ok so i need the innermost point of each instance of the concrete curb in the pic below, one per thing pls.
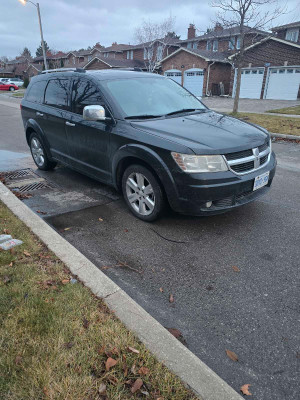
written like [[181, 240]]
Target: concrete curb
[[282, 136], [206, 384]]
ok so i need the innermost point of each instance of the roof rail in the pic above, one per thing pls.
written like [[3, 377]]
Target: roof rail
[[47, 71]]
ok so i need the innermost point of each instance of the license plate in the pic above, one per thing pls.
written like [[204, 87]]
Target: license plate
[[261, 180]]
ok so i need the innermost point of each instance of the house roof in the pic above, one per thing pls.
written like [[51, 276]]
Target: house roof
[[170, 41], [116, 48], [20, 60], [224, 33], [276, 39], [114, 63], [38, 67], [205, 54], [287, 26]]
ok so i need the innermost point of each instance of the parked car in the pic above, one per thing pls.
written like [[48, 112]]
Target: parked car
[[148, 137], [4, 79], [8, 86], [16, 81]]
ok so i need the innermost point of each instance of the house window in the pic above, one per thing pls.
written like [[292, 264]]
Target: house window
[[215, 45], [159, 53], [231, 43], [238, 42], [89, 58], [189, 45], [129, 54], [105, 55], [208, 45], [292, 35], [195, 45]]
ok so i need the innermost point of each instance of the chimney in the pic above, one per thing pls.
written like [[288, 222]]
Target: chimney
[[218, 27], [191, 31]]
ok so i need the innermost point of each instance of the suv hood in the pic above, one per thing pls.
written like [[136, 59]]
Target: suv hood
[[206, 133]]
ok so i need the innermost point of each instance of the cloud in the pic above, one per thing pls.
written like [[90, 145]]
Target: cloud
[[81, 23]]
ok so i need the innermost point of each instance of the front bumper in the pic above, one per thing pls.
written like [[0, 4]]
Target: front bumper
[[225, 190]]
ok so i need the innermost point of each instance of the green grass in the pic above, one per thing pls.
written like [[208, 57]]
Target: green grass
[[276, 124], [288, 110], [18, 94], [55, 336]]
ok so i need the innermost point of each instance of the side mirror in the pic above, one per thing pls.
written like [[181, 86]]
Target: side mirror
[[94, 113]]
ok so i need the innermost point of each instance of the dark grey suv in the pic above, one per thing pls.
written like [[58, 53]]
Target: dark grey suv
[[149, 138]]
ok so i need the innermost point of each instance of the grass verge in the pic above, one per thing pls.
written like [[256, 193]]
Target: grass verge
[[18, 94], [288, 110], [276, 124], [57, 340]]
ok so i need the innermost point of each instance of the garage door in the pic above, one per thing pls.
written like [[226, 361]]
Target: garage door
[[251, 83], [193, 81], [174, 74], [283, 83]]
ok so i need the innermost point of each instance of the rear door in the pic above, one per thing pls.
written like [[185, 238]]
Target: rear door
[[88, 140], [56, 112]]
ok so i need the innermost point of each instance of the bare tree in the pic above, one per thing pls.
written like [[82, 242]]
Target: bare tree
[[155, 38], [259, 14]]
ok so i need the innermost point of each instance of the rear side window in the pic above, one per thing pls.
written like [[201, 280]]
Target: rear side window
[[85, 93], [57, 93], [36, 92]]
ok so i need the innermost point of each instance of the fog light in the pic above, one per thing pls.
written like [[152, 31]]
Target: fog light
[[208, 204]]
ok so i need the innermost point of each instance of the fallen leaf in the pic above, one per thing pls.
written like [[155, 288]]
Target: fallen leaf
[[18, 360], [46, 392], [145, 393], [68, 345], [245, 389], [102, 389], [161, 290], [137, 385], [144, 371], [6, 231], [171, 298], [110, 362], [209, 287], [133, 350], [125, 230], [26, 253], [100, 219], [232, 355], [133, 369], [11, 264], [41, 212], [66, 229], [235, 268], [85, 323], [6, 279], [175, 332], [65, 281]]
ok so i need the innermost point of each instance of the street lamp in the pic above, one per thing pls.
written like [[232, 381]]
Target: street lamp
[[24, 2]]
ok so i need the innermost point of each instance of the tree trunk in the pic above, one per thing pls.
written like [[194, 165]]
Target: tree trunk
[[237, 89]]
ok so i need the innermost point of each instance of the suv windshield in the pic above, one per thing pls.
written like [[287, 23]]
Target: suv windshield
[[151, 97]]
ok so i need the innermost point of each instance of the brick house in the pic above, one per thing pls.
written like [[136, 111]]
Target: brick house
[[205, 65], [108, 62], [288, 32], [15, 68]]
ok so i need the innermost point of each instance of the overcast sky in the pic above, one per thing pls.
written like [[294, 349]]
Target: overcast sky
[[74, 24]]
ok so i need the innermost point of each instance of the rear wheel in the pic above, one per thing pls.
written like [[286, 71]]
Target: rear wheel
[[39, 154], [143, 193], [12, 89]]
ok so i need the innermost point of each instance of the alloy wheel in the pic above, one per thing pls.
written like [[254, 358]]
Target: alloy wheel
[[140, 193], [37, 152]]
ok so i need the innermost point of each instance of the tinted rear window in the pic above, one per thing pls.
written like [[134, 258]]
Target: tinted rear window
[[36, 92], [57, 93]]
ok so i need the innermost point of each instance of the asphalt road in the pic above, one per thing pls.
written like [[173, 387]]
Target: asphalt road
[[253, 312]]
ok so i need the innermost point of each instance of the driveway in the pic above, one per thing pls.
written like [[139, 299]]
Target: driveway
[[224, 104], [251, 309]]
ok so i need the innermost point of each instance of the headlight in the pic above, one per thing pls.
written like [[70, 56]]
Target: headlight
[[193, 164]]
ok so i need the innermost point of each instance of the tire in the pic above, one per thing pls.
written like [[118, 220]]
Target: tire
[[143, 193], [39, 154], [12, 89]]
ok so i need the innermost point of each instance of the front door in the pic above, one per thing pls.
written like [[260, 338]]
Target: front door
[[88, 140]]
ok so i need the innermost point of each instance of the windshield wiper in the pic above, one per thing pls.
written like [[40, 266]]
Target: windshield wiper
[[185, 110], [143, 116]]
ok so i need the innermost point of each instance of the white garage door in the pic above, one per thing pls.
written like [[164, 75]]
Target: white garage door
[[251, 83], [193, 81], [174, 74], [283, 83]]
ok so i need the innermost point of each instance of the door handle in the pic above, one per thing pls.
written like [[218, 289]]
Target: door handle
[[38, 114], [69, 123]]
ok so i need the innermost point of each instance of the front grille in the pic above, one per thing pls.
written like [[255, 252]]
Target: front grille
[[245, 161]]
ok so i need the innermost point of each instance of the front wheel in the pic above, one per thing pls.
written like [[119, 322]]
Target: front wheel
[[39, 154], [12, 89], [143, 193]]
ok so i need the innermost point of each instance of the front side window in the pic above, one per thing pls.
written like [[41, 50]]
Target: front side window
[[150, 96], [36, 92], [292, 35], [57, 93], [84, 93]]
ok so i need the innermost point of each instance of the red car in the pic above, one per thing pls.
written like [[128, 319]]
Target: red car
[[8, 86]]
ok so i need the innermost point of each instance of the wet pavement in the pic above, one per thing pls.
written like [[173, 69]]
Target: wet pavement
[[252, 310]]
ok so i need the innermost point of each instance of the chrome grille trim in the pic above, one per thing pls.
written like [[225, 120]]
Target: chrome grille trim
[[257, 160]]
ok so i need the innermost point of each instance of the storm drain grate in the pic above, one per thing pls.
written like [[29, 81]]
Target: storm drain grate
[[21, 173], [29, 187]]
